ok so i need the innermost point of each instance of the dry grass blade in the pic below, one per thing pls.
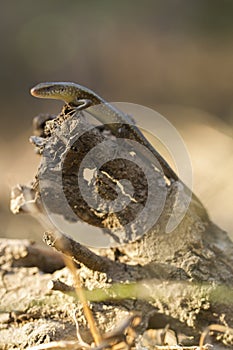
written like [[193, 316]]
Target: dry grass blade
[[123, 336], [180, 347], [216, 328], [59, 345], [87, 312]]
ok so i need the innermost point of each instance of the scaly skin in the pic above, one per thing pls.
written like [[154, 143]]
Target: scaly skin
[[81, 97]]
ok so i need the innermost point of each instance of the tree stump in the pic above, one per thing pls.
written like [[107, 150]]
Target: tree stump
[[182, 278]]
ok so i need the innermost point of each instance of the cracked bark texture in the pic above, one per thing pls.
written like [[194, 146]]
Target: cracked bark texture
[[197, 255]]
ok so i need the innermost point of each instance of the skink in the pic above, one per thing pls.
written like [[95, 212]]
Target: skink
[[81, 97]]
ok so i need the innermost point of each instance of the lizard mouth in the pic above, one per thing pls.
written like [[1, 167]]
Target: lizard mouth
[[39, 90], [33, 92]]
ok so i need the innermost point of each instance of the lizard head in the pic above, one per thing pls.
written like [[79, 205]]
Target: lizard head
[[55, 90]]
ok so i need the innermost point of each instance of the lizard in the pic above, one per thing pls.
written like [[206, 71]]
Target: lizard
[[80, 97]]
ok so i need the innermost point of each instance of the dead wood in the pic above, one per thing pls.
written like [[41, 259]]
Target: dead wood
[[187, 266]]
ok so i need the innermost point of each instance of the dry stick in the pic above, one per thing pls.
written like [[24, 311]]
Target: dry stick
[[216, 328], [60, 286], [87, 312], [78, 252]]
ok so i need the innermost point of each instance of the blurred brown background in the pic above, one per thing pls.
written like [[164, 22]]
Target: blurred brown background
[[175, 56]]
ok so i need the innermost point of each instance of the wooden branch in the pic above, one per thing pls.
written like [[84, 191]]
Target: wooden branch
[[79, 253], [196, 250]]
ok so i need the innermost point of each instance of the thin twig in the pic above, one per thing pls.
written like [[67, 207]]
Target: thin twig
[[216, 328], [59, 345], [60, 286], [78, 252]]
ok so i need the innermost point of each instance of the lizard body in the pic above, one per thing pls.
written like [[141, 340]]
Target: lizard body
[[81, 97]]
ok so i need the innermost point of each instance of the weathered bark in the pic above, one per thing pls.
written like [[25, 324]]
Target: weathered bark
[[188, 265]]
